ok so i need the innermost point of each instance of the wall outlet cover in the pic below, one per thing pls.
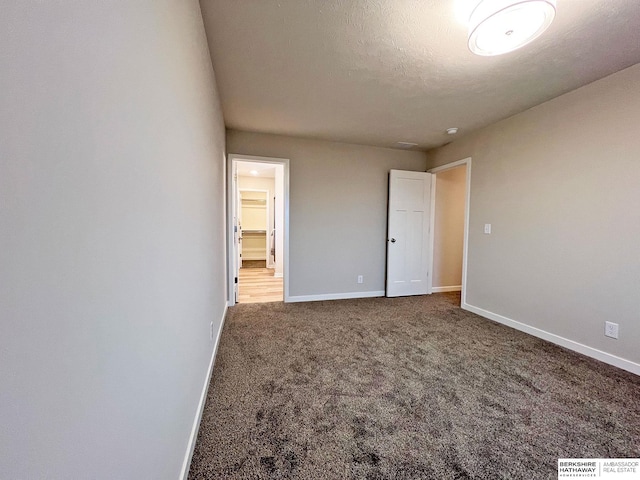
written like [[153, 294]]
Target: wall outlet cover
[[611, 329]]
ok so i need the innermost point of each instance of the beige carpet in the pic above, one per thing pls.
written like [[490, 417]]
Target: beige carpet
[[407, 388]]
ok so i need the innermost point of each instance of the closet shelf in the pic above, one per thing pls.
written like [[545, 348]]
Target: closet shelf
[[261, 232]]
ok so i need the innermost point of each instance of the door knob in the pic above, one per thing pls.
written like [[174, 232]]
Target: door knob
[[393, 240]]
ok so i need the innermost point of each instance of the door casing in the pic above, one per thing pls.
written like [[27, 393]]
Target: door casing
[[232, 205]]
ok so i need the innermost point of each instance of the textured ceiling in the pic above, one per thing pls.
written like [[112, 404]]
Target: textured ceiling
[[378, 72]]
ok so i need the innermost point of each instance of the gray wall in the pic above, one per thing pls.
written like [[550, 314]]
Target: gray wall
[[448, 233], [111, 238], [561, 185], [338, 209]]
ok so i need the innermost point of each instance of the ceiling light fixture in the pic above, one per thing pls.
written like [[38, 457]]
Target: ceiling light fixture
[[254, 172], [452, 130], [501, 26]]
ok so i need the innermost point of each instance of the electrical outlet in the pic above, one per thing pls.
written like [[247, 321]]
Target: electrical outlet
[[611, 329], [211, 331], [487, 228], [360, 279]]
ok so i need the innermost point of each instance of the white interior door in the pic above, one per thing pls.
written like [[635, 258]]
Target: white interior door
[[408, 233]]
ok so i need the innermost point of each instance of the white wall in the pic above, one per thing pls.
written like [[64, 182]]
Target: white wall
[[338, 209], [449, 227], [560, 183], [112, 236]]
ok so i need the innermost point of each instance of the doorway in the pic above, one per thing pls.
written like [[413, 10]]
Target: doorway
[[258, 206], [451, 191]]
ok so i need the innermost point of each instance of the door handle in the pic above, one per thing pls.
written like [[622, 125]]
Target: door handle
[[393, 240]]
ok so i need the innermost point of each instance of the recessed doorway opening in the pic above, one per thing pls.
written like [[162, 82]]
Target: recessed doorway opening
[[258, 229], [451, 196]]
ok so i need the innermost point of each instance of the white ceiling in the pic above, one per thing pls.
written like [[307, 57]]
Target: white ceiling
[[378, 72], [264, 170]]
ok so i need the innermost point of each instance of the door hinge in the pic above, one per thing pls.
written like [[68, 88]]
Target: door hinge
[[235, 280]]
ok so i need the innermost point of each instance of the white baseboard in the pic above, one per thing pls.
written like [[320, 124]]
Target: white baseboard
[[605, 357], [334, 296], [451, 288], [278, 275], [184, 473]]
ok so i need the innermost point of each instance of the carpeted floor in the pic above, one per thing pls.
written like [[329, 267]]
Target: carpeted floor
[[406, 388]]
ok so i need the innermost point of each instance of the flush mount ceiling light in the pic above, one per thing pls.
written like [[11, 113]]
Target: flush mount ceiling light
[[501, 26]]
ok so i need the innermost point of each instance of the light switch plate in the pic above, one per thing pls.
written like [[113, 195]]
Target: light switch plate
[[487, 228]]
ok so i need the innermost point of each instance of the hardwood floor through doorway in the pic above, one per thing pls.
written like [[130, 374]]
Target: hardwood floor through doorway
[[257, 285]]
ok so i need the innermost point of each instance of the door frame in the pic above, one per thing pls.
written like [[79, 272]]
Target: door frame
[[467, 204], [231, 206]]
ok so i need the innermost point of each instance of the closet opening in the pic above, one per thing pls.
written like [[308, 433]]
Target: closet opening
[[451, 196]]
